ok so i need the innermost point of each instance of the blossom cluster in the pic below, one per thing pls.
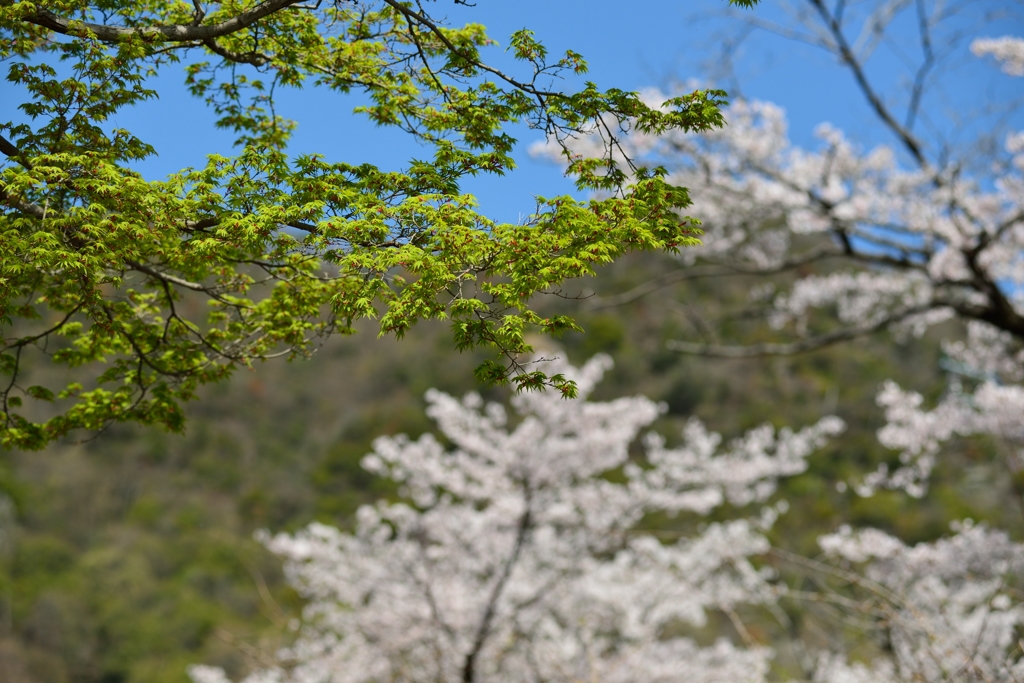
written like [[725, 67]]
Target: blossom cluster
[[950, 608], [1008, 50]]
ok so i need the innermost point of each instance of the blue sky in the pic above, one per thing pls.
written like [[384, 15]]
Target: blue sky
[[628, 45]]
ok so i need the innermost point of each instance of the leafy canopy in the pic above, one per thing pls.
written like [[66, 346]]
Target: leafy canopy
[[153, 288]]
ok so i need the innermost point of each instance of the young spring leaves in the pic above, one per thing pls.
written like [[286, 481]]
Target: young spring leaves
[[152, 288]]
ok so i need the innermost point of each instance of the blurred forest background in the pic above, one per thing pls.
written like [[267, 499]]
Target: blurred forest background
[[130, 556]]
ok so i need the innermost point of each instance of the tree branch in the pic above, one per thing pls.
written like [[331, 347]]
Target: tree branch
[[522, 531], [681, 275], [254, 58], [12, 152], [409, 13], [792, 348], [29, 208], [176, 33], [846, 53]]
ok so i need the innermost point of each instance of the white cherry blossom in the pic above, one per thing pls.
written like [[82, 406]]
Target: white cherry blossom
[[949, 609], [520, 553], [1009, 50]]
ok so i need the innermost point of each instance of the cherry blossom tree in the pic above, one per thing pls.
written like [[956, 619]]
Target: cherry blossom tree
[[520, 553], [523, 553], [899, 237], [947, 610]]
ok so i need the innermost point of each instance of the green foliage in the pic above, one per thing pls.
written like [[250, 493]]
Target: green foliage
[[286, 251]]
